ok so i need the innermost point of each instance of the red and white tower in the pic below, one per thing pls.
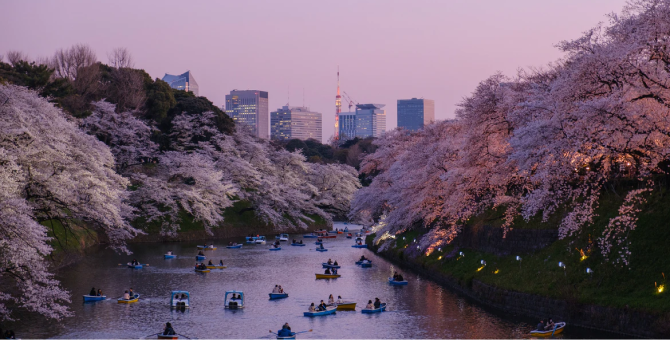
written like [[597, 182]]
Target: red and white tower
[[338, 107]]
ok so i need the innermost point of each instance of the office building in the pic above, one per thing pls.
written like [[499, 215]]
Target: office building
[[184, 82], [414, 114], [250, 107], [296, 123], [369, 120]]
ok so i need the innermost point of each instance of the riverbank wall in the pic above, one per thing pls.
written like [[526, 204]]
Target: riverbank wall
[[624, 321]]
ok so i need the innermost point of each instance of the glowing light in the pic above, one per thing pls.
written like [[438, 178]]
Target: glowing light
[[561, 264], [461, 253], [589, 271], [660, 288], [439, 249], [480, 268], [405, 246], [403, 238], [482, 262], [496, 271], [518, 258], [417, 247], [584, 257], [415, 240], [439, 258]]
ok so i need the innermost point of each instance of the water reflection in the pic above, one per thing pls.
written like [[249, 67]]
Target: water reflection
[[421, 309]]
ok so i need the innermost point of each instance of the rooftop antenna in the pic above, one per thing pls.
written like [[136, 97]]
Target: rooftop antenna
[[303, 97]]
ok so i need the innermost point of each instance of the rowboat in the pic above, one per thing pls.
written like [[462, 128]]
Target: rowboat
[[558, 328], [298, 244], [329, 310], [367, 264], [200, 257], [310, 236], [333, 232], [326, 265], [277, 296], [251, 239], [136, 266], [349, 235], [282, 237], [169, 256], [90, 298], [346, 306], [206, 247], [321, 249], [397, 283], [216, 267], [359, 246], [381, 308], [327, 276], [202, 270], [274, 249], [260, 240], [340, 232], [233, 302], [329, 236], [318, 243], [176, 300], [131, 300], [292, 336], [234, 247], [361, 262], [161, 336]]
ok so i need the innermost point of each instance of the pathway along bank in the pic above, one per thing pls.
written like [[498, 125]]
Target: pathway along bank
[[623, 321]]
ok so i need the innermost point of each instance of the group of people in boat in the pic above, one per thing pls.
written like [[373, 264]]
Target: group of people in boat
[[549, 325], [134, 263], [200, 266], [330, 262], [330, 271], [200, 253], [181, 300], [278, 290], [276, 244], [129, 294], [211, 264], [374, 305], [397, 277], [295, 242], [320, 308], [232, 243], [94, 293]]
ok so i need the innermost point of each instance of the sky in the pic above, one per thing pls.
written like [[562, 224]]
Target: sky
[[385, 49]]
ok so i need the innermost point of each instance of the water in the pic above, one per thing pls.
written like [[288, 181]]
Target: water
[[421, 309]]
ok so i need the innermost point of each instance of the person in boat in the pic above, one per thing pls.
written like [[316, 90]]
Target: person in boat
[[540, 326], [126, 296], [168, 329], [293, 241], [312, 309], [319, 240], [210, 263], [322, 306], [550, 324], [220, 262], [169, 252], [363, 258], [183, 297], [327, 271], [321, 245], [335, 263], [331, 300], [339, 299], [370, 305], [330, 262], [377, 303], [201, 253], [99, 292], [285, 331], [276, 289], [92, 292], [202, 266], [131, 293], [334, 271], [281, 290], [230, 243], [300, 242]]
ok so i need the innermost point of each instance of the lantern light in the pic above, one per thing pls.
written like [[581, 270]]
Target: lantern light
[[482, 262]]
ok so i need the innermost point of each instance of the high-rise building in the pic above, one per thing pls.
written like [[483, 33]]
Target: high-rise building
[[338, 106], [295, 122], [369, 120], [184, 82], [250, 107], [414, 114]]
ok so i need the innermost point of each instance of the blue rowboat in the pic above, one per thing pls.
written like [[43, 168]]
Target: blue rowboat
[[276, 296], [89, 298], [234, 247], [200, 257], [397, 283], [292, 336], [137, 266], [166, 256], [328, 311], [326, 265], [332, 231], [275, 249], [318, 243], [298, 244], [366, 265], [381, 308], [359, 246], [321, 250], [310, 236]]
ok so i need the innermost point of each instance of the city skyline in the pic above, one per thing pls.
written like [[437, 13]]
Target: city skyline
[[446, 48]]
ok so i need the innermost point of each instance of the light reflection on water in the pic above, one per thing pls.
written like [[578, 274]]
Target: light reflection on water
[[422, 309]]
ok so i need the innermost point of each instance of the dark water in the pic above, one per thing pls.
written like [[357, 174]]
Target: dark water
[[420, 310]]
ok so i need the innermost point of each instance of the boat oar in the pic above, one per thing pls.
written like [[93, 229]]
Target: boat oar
[[552, 333], [182, 335], [146, 336], [303, 332]]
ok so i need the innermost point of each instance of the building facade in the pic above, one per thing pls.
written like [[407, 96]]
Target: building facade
[[296, 123], [184, 82], [250, 107], [369, 120], [414, 114]]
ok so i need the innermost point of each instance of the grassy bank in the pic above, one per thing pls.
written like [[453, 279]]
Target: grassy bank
[[634, 286]]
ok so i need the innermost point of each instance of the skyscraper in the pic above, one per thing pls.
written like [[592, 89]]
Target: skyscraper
[[369, 120], [250, 107], [414, 114], [295, 122], [184, 82]]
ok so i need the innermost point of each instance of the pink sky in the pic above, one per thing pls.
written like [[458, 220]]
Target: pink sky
[[386, 50]]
